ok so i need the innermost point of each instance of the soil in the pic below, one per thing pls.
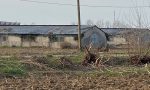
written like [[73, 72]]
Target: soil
[[54, 80], [57, 81]]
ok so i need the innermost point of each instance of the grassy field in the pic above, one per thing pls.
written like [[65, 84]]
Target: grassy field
[[40, 68]]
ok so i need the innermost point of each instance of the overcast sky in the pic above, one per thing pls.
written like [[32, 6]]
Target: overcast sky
[[42, 13]]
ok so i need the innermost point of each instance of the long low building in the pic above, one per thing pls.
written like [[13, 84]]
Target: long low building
[[128, 37], [54, 36]]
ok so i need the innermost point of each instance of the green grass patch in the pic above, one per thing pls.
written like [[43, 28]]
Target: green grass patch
[[11, 66], [54, 62], [115, 71], [77, 58]]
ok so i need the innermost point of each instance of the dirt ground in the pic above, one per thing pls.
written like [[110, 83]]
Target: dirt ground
[[58, 81], [8, 51]]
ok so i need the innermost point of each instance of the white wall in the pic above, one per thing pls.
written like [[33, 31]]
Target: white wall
[[71, 40], [14, 40], [39, 41]]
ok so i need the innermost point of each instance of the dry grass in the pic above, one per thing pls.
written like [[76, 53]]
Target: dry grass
[[60, 81], [18, 51], [45, 71]]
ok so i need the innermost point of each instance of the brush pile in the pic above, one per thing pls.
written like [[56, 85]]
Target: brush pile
[[65, 62], [36, 63], [89, 58], [138, 60]]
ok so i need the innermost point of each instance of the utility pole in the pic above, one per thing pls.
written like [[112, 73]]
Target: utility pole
[[79, 25], [114, 23]]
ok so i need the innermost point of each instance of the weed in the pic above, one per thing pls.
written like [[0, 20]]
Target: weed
[[11, 66]]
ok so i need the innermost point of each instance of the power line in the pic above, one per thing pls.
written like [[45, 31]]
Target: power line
[[92, 6], [48, 3]]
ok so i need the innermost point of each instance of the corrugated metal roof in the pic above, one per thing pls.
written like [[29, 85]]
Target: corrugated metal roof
[[117, 31], [59, 29], [42, 29]]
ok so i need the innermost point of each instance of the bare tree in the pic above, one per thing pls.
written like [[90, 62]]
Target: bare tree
[[90, 22], [107, 24], [137, 17], [100, 24], [118, 24]]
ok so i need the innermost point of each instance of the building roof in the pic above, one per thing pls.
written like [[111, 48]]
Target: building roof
[[62, 29], [118, 31], [42, 29], [9, 23]]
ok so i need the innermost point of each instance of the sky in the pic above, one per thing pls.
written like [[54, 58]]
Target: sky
[[52, 14]]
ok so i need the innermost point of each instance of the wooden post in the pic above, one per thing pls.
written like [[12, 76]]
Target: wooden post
[[79, 25]]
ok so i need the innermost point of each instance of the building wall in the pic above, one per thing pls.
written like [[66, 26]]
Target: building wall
[[71, 40], [95, 37], [139, 39], [38, 41], [43, 41], [10, 40], [16, 40], [117, 41], [66, 42], [3, 40], [130, 38], [13, 40], [56, 45]]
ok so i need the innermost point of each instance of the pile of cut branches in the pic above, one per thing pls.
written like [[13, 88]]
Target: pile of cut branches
[[89, 57], [65, 62], [140, 59], [93, 59], [137, 59], [35, 62]]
